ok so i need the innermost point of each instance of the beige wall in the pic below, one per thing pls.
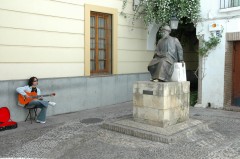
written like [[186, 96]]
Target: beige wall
[[45, 38]]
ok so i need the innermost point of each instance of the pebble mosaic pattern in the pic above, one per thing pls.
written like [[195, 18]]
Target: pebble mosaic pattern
[[220, 139]]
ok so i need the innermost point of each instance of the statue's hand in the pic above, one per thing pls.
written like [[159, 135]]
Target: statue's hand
[[155, 55], [182, 63]]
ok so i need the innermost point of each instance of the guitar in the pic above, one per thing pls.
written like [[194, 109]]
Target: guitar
[[32, 96]]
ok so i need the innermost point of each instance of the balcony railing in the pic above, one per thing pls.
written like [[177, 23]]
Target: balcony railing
[[229, 3]]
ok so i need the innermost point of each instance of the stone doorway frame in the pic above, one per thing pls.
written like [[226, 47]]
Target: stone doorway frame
[[230, 39]]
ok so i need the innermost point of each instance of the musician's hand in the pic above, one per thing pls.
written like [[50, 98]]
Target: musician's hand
[[52, 94], [41, 98], [25, 96]]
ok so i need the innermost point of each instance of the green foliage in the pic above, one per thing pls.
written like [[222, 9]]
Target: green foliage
[[208, 45], [193, 98], [161, 11]]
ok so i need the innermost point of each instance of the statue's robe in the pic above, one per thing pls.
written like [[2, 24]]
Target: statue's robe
[[168, 51]]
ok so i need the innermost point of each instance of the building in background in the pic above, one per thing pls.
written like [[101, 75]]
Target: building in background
[[219, 73]]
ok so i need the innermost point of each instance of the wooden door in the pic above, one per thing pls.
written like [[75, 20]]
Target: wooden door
[[236, 74]]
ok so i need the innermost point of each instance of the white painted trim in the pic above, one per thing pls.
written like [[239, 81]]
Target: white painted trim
[[229, 9]]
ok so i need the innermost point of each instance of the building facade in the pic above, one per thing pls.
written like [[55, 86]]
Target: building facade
[[83, 50], [90, 55], [219, 72]]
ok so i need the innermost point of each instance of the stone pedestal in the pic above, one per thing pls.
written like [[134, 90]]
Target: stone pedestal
[[161, 103]]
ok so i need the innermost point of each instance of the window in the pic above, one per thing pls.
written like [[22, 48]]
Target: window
[[229, 3], [100, 43]]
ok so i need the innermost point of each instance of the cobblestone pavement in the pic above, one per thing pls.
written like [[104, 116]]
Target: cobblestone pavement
[[65, 136]]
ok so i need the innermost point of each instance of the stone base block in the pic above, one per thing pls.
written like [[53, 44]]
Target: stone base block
[[161, 103], [170, 134]]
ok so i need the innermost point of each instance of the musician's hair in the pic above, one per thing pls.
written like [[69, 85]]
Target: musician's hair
[[30, 81]]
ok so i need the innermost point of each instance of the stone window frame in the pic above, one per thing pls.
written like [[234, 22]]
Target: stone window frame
[[114, 12]]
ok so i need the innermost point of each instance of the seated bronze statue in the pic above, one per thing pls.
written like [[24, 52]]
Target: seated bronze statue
[[168, 51]]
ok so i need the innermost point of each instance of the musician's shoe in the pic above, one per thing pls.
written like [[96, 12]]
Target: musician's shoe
[[39, 121], [52, 103]]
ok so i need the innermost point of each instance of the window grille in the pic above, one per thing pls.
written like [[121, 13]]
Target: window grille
[[229, 3]]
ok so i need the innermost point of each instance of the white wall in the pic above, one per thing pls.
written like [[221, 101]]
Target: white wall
[[213, 65]]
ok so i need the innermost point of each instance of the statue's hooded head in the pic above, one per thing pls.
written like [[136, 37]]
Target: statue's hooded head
[[166, 30]]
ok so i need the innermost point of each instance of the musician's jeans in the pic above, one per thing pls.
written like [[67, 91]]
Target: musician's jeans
[[39, 104]]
